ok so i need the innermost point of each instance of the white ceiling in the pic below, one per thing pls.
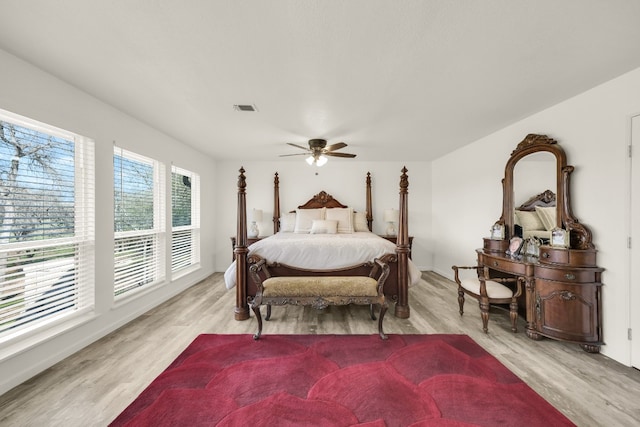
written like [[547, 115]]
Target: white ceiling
[[396, 80]]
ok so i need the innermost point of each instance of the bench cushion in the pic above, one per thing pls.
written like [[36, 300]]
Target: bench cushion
[[494, 289], [321, 286]]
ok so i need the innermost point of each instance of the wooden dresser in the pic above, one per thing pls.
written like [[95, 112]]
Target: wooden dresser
[[562, 299]]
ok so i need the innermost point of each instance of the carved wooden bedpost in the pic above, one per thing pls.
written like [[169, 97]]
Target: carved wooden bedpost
[[276, 204], [369, 208], [242, 308], [402, 249]]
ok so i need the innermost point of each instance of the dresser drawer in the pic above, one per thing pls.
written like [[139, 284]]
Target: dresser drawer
[[495, 246], [506, 265], [563, 256], [570, 275]]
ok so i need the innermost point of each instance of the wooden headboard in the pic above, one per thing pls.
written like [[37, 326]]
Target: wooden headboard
[[545, 199], [322, 200]]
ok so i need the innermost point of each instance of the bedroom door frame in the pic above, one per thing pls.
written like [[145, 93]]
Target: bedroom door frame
[[634, 244]]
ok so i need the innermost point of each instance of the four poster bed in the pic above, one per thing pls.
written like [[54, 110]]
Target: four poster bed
[[323, 237]]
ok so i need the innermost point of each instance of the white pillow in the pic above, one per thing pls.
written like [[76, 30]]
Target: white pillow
[[529, 220], [547, 216], [324, 226], [288, 222], [360, 222], [305, 217], [344, 216]]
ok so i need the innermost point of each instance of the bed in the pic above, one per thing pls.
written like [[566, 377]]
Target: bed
[[537, 216], [305, 243]]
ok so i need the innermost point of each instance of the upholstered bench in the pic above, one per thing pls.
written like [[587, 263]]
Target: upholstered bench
[[319, 291]]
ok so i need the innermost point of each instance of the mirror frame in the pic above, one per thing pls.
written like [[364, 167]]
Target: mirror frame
[[579, 235]]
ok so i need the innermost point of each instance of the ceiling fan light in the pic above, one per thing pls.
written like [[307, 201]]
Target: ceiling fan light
[[322, 160], [310, 160]]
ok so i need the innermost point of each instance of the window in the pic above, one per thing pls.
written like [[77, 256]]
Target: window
[[47, 241], [185, 219], [139, 221]]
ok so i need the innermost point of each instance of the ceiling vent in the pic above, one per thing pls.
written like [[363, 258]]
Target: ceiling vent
[[245, 107]]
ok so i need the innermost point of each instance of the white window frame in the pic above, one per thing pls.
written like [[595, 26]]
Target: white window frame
[[131, 278], [185, 240], [82, 262]]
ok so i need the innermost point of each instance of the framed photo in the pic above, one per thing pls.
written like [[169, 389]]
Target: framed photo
[[559, 238], [531, 247], [497, 231], [515, 245]]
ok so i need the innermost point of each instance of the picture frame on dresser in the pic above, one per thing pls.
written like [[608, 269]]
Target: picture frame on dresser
[[559, 238], [497, 231], [531, 247], [515, 246]]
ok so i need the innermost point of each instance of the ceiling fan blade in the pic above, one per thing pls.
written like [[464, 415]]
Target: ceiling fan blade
[[297, 154], [340, 155], [299, 146], [336, 146]]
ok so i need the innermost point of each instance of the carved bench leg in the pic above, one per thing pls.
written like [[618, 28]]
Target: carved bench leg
[[268, 317], [383, 310], [371, 312], [256, 310]]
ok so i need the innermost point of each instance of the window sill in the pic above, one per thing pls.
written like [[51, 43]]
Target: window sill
[[185, 271], [23, 341]]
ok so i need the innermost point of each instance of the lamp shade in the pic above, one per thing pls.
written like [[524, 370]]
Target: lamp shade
[[256, 215], [391, 215], [322, 160]]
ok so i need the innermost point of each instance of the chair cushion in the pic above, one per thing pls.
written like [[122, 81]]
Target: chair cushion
[[322, 286], [494, 289]]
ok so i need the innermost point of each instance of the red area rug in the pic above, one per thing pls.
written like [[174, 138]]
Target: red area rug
[[338, 380]]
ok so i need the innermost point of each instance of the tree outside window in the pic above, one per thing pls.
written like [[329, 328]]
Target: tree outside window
[[43, 260], [185, 219]]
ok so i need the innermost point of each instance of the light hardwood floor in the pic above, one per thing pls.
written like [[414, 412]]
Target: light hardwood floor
[[94, 385]]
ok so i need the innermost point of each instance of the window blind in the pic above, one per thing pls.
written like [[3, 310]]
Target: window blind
[[47, 216], [185, 219], [139, 213]]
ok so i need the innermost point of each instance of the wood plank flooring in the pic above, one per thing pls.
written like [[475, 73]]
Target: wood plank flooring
[[94, 385]]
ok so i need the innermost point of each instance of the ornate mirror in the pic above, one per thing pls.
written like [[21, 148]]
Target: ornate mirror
[[534, 154]]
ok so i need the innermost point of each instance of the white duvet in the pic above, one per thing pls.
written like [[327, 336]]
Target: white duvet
[[321, 252]]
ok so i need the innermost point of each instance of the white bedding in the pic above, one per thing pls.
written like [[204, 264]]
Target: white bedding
[[321, 252]]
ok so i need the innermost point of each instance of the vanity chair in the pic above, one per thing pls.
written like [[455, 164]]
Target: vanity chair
[[488, 292]]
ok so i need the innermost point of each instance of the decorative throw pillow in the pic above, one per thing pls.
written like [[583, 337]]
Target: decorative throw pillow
[[547, 216], [288, 222], [344, 216], [529, 220], [360, 222], [324, 226], [305, 217]]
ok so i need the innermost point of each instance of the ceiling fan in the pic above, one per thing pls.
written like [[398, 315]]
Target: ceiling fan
[[318, 151]]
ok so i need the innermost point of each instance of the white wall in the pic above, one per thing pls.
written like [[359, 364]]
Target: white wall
[[30, 92], [343, 179], [593, 128]]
